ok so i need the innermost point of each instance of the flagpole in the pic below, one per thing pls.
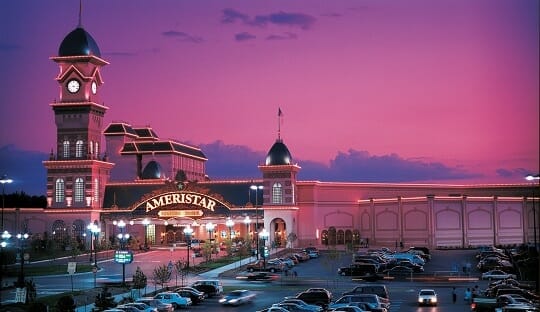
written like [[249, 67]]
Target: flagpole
[[279, 124]]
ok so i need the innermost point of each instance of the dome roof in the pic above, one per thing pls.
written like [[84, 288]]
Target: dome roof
[[278, 155], [78, 42], [152, 170]]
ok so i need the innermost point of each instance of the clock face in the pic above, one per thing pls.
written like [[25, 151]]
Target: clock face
[[73, 86], [94, 87]]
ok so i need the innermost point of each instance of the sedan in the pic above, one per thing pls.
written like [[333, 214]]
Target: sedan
[[259, 276], [161, 307], [399, 272], [427, 297], [195, 295], [302, 303], [497, 274], [237, 297]]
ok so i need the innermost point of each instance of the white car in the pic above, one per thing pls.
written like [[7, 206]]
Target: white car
[[497, 274], [173, 298], [427, 297], [237, 297]]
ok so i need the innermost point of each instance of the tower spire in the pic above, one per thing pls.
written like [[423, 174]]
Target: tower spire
[[80, 14], [280, 115]]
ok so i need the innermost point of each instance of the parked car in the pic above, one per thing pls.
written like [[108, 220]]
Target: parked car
[[174, 299], [195, 295], [210, 287], [289, 306], [141, 306], [317, 296], [497, 274], [427, 297], [377, 289], [161, 307], [299, 302], [358, 269], [374, 301], [260, 265], [399, 272], [237, 297], [259, 276]]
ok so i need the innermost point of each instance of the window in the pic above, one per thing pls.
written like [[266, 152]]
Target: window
[[59, 191], [277, 193], [66, 149], [96, 150], [78, 230], [79, 149], [91, 147], [59, 230], [79, 190], [96, 191]]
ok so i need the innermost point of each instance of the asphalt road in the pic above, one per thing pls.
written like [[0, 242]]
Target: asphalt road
[[319, 272]]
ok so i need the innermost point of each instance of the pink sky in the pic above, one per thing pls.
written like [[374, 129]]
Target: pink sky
[[455, 82]]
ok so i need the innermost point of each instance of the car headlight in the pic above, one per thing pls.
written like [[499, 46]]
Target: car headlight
[[222, 300], [433, 299]]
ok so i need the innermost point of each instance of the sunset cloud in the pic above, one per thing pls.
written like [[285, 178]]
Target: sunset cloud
[[182, 36], [244, 36], [301, 20]]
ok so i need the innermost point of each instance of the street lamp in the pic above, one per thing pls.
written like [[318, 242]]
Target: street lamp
[[5, 237], [22, 238], [256, 188], [247, 221], [145, 223], [4, 180], [264, 236], [229, 223], [94, 234], [187, 232], [210, 228], [123, 238]]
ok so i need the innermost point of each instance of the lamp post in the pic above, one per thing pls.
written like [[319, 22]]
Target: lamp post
[[264, 236], [210, 228], [4, 180], [146, 222], [230, 224], [247, 221], [94, 234], [5, 237], [22, 238], [531, 178], [256, 188], [187, 232], [123, 237]]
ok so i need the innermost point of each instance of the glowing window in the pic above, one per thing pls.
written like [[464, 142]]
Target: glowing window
[[79, 149], [59, 230], [66, 149], [96, 150], [59, 191], [96, 191], [277, 193], [79, 190]]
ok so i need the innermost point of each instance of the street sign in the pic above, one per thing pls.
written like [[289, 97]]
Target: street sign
[[72, 267], [123, 256]]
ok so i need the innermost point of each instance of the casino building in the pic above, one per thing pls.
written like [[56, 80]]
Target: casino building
[[160, 187]]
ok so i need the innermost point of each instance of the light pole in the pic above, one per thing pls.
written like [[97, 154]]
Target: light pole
[[230, 224], [256, 188], [123, 237], [5, 237], [187, 232], [210, 228], [4, 180], [264, 236], [146, 222], [94, 234], [22, 238], [247, 221], [531, 178]]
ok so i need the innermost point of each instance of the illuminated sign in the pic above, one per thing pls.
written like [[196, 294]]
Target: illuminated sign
[[189, 198], [123, 256], [180, 213]]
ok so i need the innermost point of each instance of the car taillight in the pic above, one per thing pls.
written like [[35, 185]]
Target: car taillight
[[473, 306]]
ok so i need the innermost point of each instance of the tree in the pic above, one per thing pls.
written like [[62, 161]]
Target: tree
[[207, 250], [104, 300], [179, 270], [139, 280], [161, 275], [66, 304], [291, 238]]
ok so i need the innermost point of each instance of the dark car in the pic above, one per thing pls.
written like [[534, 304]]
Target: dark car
[[376, 289], [360, 269], [210, 287], [260, 276], [399, 272], [318, 296], [195, 295]]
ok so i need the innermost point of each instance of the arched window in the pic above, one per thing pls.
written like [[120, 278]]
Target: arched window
[[277, 193], [66, 149], [324, 237], [78, 229], [348, 237], [356, 237], [332, 236], [91, 147], [340, 237], [59, 191], [96, 150], [79, 190], [79, 149], [96, 191], [59, 230]]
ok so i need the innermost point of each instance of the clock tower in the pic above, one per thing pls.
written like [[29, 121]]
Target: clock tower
[[78, 172]]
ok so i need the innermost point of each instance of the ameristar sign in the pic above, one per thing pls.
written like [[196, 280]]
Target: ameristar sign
[[189, 198]]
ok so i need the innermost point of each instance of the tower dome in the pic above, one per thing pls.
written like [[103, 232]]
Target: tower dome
[[278, 155], [78, 42], [152, 170]]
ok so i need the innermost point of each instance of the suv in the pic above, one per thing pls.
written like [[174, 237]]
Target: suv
[[376, 289], [318, 296], [209, 287]]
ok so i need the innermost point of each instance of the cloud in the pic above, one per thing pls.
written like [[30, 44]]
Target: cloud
[[182, 36], [232, 161], [516, 173], [244, 36], [301, 20], [285, 36]]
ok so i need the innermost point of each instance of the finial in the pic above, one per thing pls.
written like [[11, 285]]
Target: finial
[[280, 116]]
